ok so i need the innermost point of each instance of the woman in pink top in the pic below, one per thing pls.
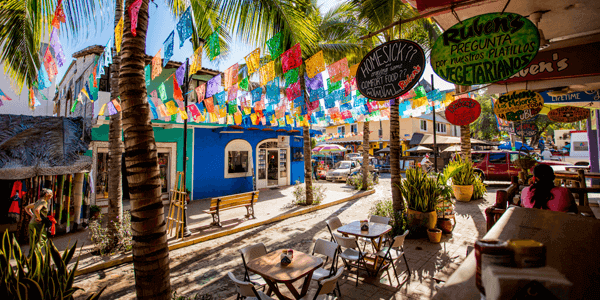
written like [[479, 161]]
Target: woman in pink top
[[543, 194]]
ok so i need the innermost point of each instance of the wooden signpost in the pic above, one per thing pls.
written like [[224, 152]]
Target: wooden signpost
[[485, 49], [518, 105], [390, 70], [568, 114], [463, 111]]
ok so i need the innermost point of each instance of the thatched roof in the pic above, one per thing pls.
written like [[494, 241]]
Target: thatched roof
[[31, 146]]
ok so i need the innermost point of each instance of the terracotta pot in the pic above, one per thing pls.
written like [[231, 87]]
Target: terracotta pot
[[435, 235], [427, 219], [463, 192], [445, 225]]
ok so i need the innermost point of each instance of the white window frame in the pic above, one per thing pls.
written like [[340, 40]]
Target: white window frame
[[442, 126], [354, 128], [421, 123], [343, 130], [238, 145]]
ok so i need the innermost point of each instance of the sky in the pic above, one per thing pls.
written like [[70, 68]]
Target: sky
[[162, 22]]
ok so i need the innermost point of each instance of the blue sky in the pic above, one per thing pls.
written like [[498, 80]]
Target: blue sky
[[161, 23]]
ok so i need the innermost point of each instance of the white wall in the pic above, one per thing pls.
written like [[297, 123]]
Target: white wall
[[19, 104]]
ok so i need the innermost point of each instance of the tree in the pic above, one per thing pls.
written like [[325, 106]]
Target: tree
[[150, 248], [365, 145], [115, 146], [485, 127]]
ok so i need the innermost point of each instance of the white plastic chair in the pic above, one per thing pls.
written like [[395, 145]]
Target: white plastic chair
[[245, 289], [249, 253], [333, 224], [393, 253], [352, 254], [378, 220], [327, 286]]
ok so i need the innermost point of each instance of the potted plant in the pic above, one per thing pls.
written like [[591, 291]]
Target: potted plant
[[463, 178], [525, 163], [421, 193], [435, 235], [94, 211], [445, 205]]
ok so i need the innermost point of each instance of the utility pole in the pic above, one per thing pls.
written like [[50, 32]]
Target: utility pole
[[435, 150]]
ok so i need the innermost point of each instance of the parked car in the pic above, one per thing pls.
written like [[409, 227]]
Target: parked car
[[353, 156], [372, 165], [342, 169], [499, 164]]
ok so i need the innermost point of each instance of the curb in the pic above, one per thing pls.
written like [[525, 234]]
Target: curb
[[185, 243]]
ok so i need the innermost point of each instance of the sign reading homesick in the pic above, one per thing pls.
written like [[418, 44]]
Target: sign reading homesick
[[463, 111], [526, 129], [485, 49], [568, 114], [390, 70], [518, 105]]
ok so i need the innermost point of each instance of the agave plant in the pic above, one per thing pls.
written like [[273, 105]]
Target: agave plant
[[42, 274], [420, 191], [461, 171]]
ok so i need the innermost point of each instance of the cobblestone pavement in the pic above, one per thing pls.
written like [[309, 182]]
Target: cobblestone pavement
[[202, 268]]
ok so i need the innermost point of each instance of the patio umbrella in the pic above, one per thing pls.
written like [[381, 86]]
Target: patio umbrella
[[419, 149], [518, 146], [331, 148], [453, 148], [384, 150]]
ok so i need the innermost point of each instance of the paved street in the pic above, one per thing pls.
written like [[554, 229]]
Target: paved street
[[202, 268]]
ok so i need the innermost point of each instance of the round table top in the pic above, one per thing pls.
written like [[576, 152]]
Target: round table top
[[269, 266], [375, 229]]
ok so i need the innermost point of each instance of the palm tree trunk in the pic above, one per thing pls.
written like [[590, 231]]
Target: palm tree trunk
[[365, 166], [115, 148], [150, 248], [397, 201], [307, 166], [465, 130]]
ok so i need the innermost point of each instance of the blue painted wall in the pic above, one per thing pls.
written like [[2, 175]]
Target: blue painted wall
[[209, 161]]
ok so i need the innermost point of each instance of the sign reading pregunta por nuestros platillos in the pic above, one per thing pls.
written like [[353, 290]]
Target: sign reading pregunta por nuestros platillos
[[485, 49]]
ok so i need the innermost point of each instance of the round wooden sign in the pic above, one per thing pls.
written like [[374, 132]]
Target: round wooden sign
[[568, 114], [526, 129], [390, 70], [463, 111], [518, 105], [485, 48]]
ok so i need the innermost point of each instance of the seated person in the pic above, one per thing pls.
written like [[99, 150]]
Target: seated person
[[543, 194]]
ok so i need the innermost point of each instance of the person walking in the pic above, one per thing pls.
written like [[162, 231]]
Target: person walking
[[38, 212]]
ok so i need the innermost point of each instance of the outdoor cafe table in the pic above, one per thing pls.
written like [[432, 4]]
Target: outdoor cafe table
[[269, 267], [571, 241], [375, 234]]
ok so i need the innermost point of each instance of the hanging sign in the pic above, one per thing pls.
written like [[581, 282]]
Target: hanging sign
[[390, 70], [463, 111], [485, 49], [283, 141], [526, 129], [518, 105], [587, 96], [568, 114]]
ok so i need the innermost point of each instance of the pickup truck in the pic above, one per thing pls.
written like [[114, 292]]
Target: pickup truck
[[499, 165]]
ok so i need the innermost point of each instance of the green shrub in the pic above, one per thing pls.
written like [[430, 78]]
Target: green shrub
[[101, 239], [300, 194], [385, 208], [420, 191], [357, 181], [479, 188], [43, 274]]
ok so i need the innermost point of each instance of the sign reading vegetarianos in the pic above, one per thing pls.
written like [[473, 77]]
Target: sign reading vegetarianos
[[518, 105], [390, 70], [463, 111], [485, 49]]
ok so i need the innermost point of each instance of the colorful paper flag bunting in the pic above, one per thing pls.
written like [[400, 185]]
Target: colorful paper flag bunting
[[119, 35], [231, 76], [58, 51], [292, 58], [291, 76], [200, 91], [212, 86], [50, 65], [59, 15], [180, 74], [293, 91], [177, 95], [244, 84], [338, 70], [274, 45], [133, 15], [4, 97], [315, 64], [116, 104], [43, 81], [253, 61], [214, 45], [210, 107], [232, 93], [184, 26], [168, 46], [196, 63], [267, 72], [156, 65], [162, 91]]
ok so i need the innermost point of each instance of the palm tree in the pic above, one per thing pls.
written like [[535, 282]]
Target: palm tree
[[365, 145], [150, 248], [376, 14], [115, 147], [465, 130]]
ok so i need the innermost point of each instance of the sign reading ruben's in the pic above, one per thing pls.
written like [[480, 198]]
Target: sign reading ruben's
[[526, 129], [390, 70], [568, 114], [463, 111], [485, 49], [518, 105]]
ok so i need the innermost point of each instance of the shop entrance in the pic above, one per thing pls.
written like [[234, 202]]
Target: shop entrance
[[273, 164]]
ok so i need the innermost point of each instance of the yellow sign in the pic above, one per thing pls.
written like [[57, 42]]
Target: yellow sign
[[518, 105]]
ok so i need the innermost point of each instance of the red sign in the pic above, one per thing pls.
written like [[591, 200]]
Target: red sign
[[567, 62], [463, 111]]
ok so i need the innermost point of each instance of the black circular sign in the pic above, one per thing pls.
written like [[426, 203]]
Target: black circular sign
[[390, 70]]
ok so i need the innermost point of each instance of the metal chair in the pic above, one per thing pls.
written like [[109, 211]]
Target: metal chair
[[393, 253], [378, 220], [329, 250], [245, 289], [249, 253], [327, 286], [352, 253], [333, 224]]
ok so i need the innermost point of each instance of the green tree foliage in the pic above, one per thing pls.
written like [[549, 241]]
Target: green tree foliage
[[485, 127]]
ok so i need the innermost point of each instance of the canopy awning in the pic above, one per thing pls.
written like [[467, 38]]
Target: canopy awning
[[427, 139]]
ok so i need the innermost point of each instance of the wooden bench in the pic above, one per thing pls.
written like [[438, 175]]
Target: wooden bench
[[219, 204]]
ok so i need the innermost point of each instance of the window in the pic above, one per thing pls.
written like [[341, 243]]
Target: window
[[441, 127], [497, 158], [423, 125], [354, 128], [238, 159], [477, 157], [238, 162], [342, 130]]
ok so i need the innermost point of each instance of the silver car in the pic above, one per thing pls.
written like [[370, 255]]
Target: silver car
[[342, 169]]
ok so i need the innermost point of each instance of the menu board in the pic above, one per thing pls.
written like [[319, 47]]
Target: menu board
[[518, 105], [463, 111], [485, 48], [568, 114], [390, 70], [526, 129]]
